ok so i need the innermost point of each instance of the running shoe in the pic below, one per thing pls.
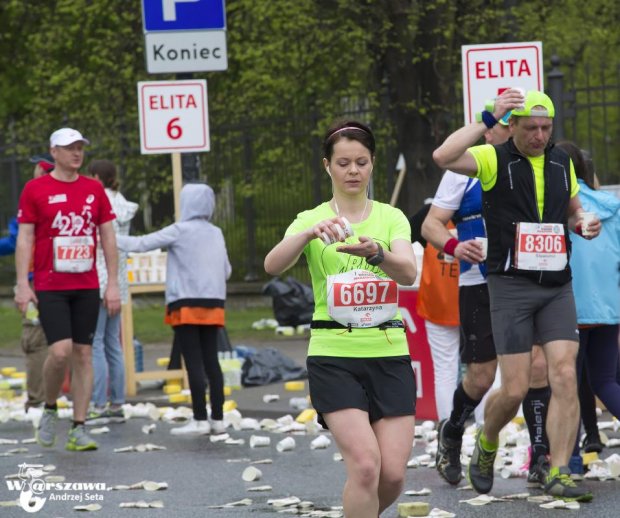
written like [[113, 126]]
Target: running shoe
[[538, 473], [79, 440], [448, 457], [480, 471], [592, 443], [116, 414], [109, 414], [97, 416], [563, 486], [192, 428], [218, 426], [46, 431]]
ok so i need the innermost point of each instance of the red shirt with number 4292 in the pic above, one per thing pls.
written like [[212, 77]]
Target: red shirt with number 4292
[[61, 211]]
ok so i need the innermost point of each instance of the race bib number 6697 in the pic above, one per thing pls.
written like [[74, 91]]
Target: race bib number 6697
[[361, 299]]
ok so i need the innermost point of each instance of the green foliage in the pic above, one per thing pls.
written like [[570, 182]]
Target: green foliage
[[293, 67]]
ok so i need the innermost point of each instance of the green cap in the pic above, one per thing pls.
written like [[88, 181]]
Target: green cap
[[537, 104]]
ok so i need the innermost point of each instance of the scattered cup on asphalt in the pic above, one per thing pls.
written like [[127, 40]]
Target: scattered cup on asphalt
[[320, 443], [251, 474], [256, 441], [286, 444]]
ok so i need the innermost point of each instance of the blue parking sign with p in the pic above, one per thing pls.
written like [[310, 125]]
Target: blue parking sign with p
[[183, 15]]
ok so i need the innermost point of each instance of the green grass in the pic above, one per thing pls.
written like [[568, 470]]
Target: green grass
[[149, 325]]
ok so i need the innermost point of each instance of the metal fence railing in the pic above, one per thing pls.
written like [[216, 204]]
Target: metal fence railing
[[265, 172]]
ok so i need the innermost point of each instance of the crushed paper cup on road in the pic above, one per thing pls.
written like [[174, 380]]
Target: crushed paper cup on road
[[89, 507], [141, 504], [270, 398], [319, 443], [560, 504], [234, 442], [613, 463], [259, 488], [286, 444], [141, 410], [284, 502], [99, 431], [262, 461], [422, 492], [598, 470], [149, 428], [481, 500], [517, 496], [149, 485], [251, 474], [219, 437], [238, 503], [257, 441]]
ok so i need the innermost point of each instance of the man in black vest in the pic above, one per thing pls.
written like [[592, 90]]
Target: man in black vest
[[530, 201]]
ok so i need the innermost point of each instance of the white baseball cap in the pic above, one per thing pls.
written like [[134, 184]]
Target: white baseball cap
[[66, 136]]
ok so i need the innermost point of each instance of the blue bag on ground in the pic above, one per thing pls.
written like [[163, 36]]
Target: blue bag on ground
[[269, 366], [293, 301]]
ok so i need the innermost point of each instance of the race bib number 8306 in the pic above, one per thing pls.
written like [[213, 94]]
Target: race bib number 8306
[[541, 247]]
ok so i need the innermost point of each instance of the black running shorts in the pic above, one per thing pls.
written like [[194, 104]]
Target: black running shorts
[[477, 344], [383, 387], [69, 314]]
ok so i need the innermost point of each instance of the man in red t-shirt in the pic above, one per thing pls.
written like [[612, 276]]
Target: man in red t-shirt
[[59, 215]]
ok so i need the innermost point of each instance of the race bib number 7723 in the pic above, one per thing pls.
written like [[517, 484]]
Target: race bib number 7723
[[74, 254], [361, 299]]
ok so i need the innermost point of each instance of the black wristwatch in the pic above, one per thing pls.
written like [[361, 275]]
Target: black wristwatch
[[376, 259]]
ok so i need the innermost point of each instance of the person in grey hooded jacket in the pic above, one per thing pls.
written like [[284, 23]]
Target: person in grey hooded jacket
[[196, 273]]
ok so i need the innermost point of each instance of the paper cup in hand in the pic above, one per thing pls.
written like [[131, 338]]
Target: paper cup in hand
[[286, 444], [251, 474], [522, 92], [343, 233], [257, 441], [485, 245], [586, 219]]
